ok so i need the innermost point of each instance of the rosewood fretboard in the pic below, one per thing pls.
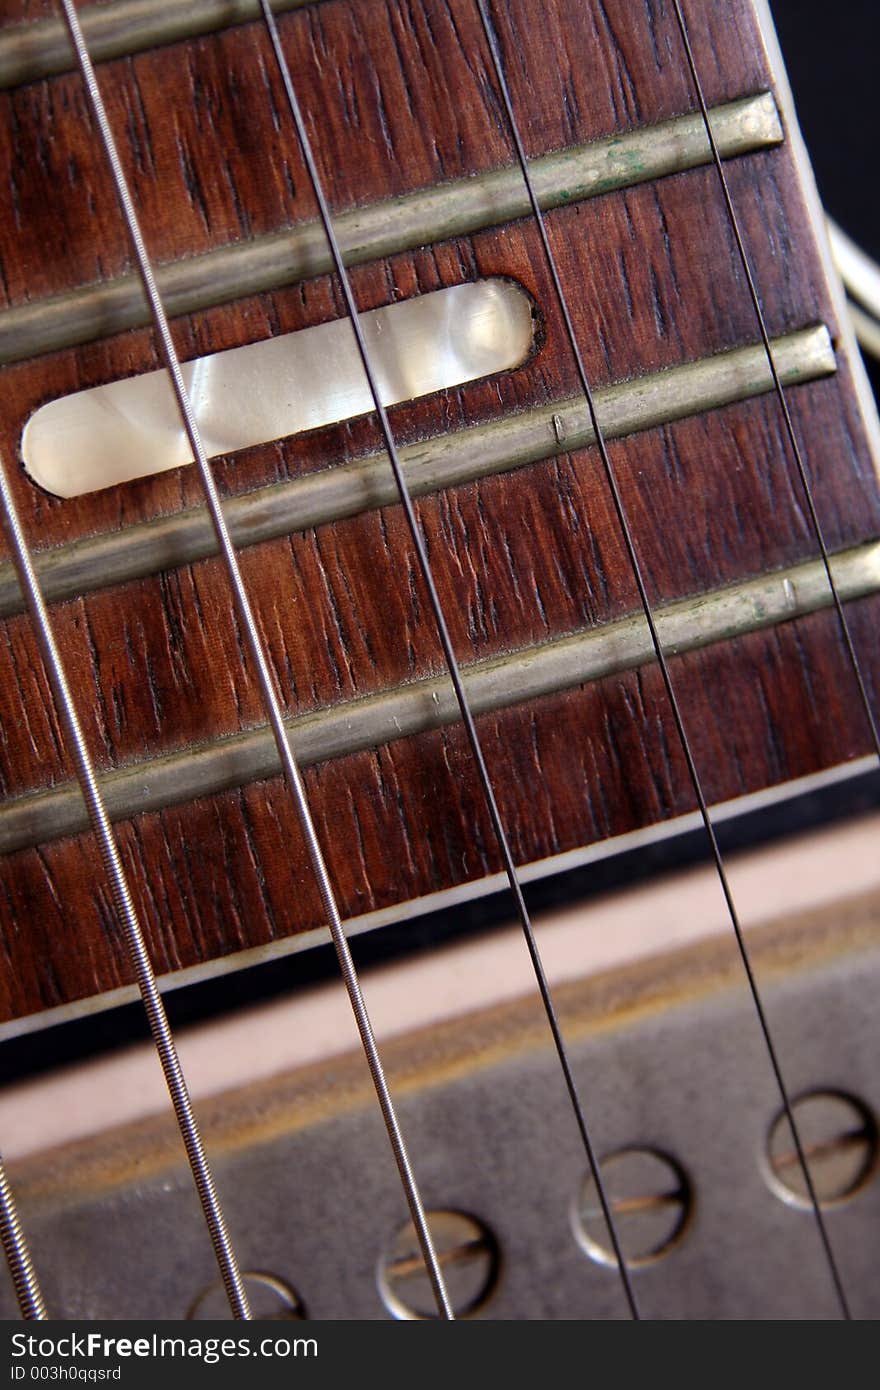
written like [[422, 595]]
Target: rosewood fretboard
[[408, 128]]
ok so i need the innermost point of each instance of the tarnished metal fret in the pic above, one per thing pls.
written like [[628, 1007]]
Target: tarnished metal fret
[[462, 456], [264, 677], [117, 29], [461, 207], [416, 707]]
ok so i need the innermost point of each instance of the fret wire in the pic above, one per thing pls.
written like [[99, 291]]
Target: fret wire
[[126, 913], [18, 1255], [265, 680], [451, 659], [791, 433], [684, 740]]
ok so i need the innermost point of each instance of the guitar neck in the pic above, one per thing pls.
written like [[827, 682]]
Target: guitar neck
[[570, 546], [527, 553]]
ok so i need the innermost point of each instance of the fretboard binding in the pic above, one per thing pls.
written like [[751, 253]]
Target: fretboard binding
[[425, 217], [29, 52], [480, 451], [780, 797], [421, 706]]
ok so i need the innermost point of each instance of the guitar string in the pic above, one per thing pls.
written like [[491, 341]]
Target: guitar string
[[18, 1255], [797, 454], [791, 433], [635, 565], [265, 680], [123, 902], [452, 664]]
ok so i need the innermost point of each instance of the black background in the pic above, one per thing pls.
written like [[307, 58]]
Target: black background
[[832, 52]]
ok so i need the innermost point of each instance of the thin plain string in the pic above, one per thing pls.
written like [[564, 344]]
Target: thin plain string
[[452, 664], [627, 534], [818, 533], [124, 906], [791, 434], [18, 1255], [264, 677]]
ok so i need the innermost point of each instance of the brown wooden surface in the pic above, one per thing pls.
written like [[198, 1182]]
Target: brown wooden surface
[[400, 97]]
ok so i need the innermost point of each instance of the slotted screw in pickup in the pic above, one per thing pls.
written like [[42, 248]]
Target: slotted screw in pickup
[[468, 1255]]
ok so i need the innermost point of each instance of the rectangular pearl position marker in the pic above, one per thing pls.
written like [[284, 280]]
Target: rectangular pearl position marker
[[278, 387]]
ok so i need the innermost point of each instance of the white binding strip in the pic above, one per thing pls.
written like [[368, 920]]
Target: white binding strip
[[609, 947]]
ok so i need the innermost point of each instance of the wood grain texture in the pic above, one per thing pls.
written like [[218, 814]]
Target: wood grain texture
[[400, 97]]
